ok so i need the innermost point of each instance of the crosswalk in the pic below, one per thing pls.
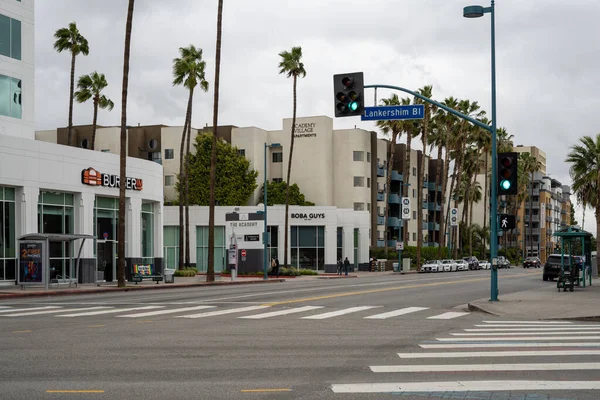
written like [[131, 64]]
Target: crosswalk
[[246, 312], [564, 346]]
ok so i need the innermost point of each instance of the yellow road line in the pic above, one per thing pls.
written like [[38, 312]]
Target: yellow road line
[[74, 391], [265, 390], [27, 331], [333, 296]]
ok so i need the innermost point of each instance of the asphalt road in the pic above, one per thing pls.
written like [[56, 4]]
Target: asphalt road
[[301, 339]]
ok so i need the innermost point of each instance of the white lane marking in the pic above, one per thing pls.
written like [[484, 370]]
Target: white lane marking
[[517, 345], [396, 313], [117, 310], [526, 333], [161, 312], [4, 306], [28, 309], [449, 315], [223, 312], [174, 303], [282, 312], [26, 314], [515, 338], [340, 312], [524, 326], [534, 353], [571, 328], [530, 322], [486, 367], [463, 386]]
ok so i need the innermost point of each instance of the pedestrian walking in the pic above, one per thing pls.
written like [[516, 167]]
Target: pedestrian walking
[[277, 267], [346, 266], [339, 266]]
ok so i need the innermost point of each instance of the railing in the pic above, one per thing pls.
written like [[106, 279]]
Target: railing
[[380, 171], [394, 199], [396, 176], [380, 196], [393, 222], [534, 218], [380, 220]]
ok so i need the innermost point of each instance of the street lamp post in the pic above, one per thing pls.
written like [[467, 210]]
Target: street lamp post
[[265, 232], [475, 12]]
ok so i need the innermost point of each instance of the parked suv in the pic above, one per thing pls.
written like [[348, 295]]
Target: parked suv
[[473, 262], [532, 262], [552, 265]]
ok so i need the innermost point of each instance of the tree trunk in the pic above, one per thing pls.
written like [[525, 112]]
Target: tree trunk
[[443, 222], [123, 149], [289, 172], [210, 269], [187, 181], [182, 179], [452, 183], [471, 230], [71, 90], [485, 202], [438, 173], [94, 122], [597, 236], [387, 190], [406, 180], [582, 219]]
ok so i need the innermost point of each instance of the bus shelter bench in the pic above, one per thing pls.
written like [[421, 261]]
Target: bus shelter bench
[[60, 280], [140, 277]]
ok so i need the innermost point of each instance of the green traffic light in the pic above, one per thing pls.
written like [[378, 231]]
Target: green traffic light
[[505, 184], [353, 106]]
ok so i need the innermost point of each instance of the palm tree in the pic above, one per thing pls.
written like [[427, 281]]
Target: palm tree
[[585, 174], [123, 144], [292, 65], [210, 269], [90, 86], [483, 141], [70, 39], [412, 131], [474, 197], [395, 128], [188, 69], [425, 126]]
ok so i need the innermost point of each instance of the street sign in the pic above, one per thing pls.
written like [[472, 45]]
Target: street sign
[[399, 245], [387, 113], [507, 222], [251, 238], [243, 252], [454, 217], [406, 208]]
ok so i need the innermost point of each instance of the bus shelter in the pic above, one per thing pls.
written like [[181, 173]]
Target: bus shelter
[[576, 242], [34, 259]]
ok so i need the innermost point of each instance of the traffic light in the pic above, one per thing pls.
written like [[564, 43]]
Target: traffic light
[[348, 90], [507, 173]]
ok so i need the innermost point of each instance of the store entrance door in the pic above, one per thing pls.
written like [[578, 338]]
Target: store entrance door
[[106, 260]]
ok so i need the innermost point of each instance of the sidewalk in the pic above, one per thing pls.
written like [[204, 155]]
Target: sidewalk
[[545, 303]]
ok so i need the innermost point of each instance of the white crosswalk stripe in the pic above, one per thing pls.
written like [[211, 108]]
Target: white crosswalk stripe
[[522, 353], [449, 315], [464, 386], [112, 311], [486, 367], [561, 329], [54, 311], [521, 344], [223, 312], [28, 309], [282, 312], [162, 312], [515, 338], [339, 312], [475, 335], [530, 322], [402, 311]]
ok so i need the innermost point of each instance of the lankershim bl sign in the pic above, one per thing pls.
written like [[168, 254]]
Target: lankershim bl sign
[[92, 177]]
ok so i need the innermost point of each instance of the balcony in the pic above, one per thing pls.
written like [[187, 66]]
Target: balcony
[[534, 218], [391, 243], [380, 196], [432, 226], [380, 243], [432, 206], [393, 222], [394, 199], [563, 212], [380, 220], [549, 206], [548, 219], [380, 170], [396, 176]]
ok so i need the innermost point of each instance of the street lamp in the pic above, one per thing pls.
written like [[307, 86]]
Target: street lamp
[[475, 12], [265, 234]]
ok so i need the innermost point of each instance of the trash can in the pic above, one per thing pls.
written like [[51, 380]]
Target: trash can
[[169, 275]]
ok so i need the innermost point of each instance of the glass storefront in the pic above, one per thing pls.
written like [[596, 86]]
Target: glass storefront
[[106, 228], [356, 252], [273, 241], [171, 246], [55, 215], [308, 247], [340, 243], [147, 234], [202, 248], [7, 235]]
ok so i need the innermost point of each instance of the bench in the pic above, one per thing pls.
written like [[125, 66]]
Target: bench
[[141, 272], [63, 280]]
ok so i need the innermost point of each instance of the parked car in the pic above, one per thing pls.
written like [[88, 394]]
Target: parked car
[[532, 262], [462, 265], [553, 265], [485, 265], [431, 266], [449, 265], [503, 262], [473, 262]]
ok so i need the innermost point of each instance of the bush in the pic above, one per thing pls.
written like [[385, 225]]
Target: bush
[[186, 272]]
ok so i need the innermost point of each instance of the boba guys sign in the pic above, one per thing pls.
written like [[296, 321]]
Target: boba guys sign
[[93, 177], [308, 216]]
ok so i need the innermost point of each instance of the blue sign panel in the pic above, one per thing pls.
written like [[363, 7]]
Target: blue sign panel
[[386, 113]]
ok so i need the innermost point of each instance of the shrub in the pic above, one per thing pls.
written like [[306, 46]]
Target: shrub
[[186, 272]]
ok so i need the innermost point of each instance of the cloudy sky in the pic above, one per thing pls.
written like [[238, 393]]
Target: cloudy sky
[[547, 61]]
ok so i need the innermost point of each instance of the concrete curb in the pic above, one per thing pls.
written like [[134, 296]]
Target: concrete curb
[[475, 307], [337, 277], [68, 292]]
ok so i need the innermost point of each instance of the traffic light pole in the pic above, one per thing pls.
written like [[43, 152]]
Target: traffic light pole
[[492, 130]]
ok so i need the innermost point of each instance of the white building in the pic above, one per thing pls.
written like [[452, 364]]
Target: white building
[[52, 189]]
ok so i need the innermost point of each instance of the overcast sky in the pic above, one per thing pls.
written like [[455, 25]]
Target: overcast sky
[[547, 61]]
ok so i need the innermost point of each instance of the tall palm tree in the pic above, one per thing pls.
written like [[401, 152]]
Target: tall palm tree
[[411, 128], [474, 197], [188, 69], [585, 174], [483, 141], [123, 144], [291, 64], [210, 268], [71, 40], [425, 127], [90, 86], [393, 127]]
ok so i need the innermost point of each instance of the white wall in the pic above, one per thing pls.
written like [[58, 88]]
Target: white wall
[[345, 168]]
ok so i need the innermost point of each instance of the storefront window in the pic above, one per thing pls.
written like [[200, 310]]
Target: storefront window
[[147, 226], [55, 215], [340, 243], [171, 246], [273, 241], [7, 235], [308, 247], [356, 236], [202, 248]]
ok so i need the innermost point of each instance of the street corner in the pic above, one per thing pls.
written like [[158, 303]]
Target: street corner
[[485, 306]]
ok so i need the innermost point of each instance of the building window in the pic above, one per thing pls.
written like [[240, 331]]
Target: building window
[[10, 97], [8, 242], [277, 157], [273, 232], [55, 215], [202, 248], [340, 243], [10, 37], [359, 206], [277, 180], [171, 246], [358, 155], [368, 157], [308, 247], [169, 154], [414, 215], [369, 207], [169, 180], [356, 248], [359, 181], [155, 156], [414, 237], [414, 171], [414, 193], [368, 182], [147, 232], [105, 150], [242, 152]]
